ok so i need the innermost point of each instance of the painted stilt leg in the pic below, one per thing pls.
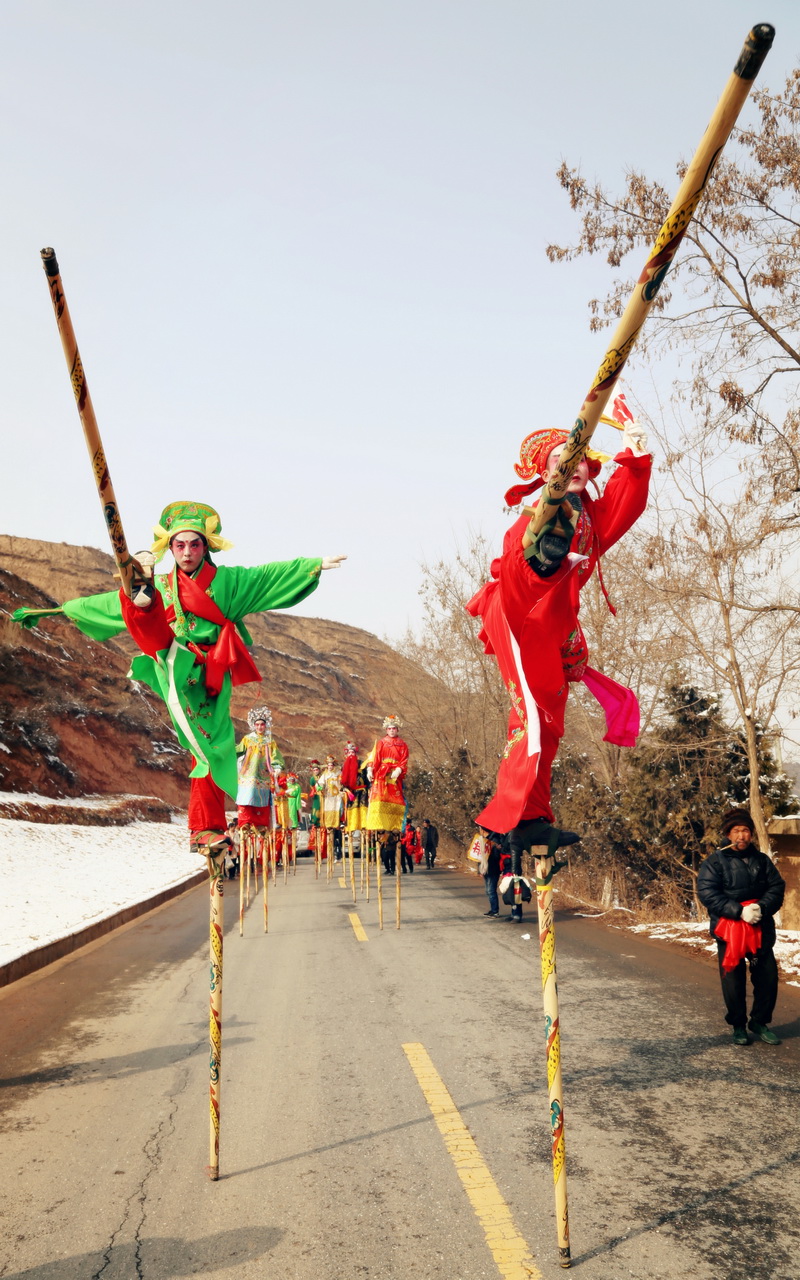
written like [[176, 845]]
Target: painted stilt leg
[[379, 879], [398, 877], [285, 854], [216, 930], [265, 879], [243, 841], [552, 1030], [294, 852], [351, 859]]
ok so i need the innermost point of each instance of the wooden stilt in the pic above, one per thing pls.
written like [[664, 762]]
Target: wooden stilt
[[243, 841], [216, 931], [547, 948], [265, 878]]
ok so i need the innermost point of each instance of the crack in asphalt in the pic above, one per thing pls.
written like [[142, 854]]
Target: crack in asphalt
[[152, 1152]]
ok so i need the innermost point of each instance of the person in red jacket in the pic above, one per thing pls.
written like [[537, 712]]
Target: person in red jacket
[[529, 615]]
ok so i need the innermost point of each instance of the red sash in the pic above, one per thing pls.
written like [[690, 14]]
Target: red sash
[[229, 652]]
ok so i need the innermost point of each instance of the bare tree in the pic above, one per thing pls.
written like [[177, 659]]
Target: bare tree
[[732, 299], [473, 710]]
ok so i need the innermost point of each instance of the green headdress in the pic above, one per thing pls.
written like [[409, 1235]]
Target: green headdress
[[189, 517]]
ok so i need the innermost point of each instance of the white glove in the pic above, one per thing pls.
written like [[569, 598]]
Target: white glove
[[332, 562], [634, 437], [751, 914], [369, 774], [394, 775]]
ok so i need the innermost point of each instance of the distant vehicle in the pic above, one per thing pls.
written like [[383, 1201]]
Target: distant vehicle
[[302, 834], [303, 839]]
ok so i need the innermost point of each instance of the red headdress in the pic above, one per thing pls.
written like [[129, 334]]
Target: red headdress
[[533, 454]]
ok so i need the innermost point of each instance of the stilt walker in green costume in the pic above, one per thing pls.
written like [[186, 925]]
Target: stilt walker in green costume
[[188, 624]]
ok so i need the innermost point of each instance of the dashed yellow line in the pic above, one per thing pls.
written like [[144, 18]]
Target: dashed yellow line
[[510, 1252], [358, 928]]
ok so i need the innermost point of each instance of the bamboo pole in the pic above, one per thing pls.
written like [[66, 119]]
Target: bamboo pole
[[126, 564], [351, 860], [667, 242], [243, 839], [543, 863], [216, 931], [368, 842], [398, 877], [265, 882], [285, 853], [294, 851], [379, 879]]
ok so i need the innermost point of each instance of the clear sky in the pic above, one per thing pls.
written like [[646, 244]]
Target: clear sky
[[303, 243]]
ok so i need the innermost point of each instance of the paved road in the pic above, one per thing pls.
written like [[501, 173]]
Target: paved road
[[682, 1151]]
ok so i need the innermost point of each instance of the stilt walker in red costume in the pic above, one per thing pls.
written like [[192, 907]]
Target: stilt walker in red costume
[[529, 612]]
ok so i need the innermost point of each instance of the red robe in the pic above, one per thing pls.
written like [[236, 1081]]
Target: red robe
[[531, 625]]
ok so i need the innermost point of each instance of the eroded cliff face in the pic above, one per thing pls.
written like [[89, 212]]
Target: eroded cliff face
[[72, 724]]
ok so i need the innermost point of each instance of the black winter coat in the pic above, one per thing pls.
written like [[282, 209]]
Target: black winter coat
[[726, 879]]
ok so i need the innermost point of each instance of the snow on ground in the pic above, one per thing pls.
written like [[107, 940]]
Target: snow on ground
[[694, 933], [85, 802], [67, 877]]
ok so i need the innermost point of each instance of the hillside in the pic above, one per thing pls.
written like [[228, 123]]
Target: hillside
[[72, 724]]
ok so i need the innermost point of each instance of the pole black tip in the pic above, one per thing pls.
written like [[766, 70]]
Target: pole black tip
[[50, 262], [756, 47]]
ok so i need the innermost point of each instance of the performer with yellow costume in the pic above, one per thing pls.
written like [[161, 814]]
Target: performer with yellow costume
[[189, 626], [389, 766]]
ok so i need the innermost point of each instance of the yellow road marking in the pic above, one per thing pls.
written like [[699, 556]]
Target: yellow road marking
[[510, 1252], [358, 928], [342, 882]]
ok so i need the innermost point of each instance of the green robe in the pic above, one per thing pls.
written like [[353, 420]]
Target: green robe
[[202, 722]]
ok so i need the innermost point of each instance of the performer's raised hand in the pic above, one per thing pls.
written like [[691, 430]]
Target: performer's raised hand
[[634, 437], [332, 562]]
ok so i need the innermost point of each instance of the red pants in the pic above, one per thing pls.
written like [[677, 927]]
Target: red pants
[[255, 815], [206, 805]]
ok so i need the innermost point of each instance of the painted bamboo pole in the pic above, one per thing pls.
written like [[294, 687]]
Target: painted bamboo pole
[[368, 842], [126, 564], [398, 877], [265, 839], [543, 864], [351, 860], [667, 242], [294, 851], [265, 878], [243, 838], [379, 879], [285, 853], [216, 931]]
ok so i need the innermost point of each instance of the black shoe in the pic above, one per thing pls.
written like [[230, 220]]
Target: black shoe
[[490, 913], [740, 1036]]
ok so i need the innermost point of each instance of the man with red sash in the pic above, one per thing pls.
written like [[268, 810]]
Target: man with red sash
[[529, 612], [742, 889], [188, 624]]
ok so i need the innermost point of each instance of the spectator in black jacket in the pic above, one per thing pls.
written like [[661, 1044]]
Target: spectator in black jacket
[[430, 842], [741, 889]]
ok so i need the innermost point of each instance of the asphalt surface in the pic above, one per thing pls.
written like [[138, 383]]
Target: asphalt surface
[[682, 1151]]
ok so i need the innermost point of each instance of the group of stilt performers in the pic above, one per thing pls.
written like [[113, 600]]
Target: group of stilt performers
[[188, 624]]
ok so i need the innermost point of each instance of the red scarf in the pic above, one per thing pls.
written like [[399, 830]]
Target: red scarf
[[229, 652], [741, 939]]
